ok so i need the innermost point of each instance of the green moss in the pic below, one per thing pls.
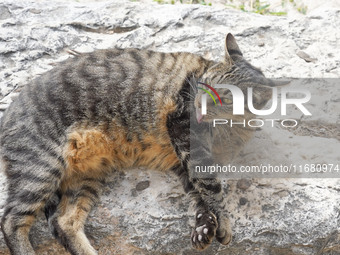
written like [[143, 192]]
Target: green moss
[[278, 13], [302, 9], [159, 1]]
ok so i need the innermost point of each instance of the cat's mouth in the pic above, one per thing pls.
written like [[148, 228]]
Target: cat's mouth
[[199, 115]]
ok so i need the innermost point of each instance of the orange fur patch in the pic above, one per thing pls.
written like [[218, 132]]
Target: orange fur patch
[[93, 151], [87, 150]]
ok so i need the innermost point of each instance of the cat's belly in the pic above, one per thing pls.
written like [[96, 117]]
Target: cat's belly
[[93, 152]]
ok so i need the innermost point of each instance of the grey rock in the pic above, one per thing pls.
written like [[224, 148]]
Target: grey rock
[[243, 184], [4, 13], [268, 216], [142, 185]]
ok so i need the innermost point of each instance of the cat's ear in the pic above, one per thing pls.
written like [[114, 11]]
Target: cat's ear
[[231, 48]]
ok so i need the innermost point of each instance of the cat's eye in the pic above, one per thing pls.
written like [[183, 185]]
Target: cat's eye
[[227, 101]]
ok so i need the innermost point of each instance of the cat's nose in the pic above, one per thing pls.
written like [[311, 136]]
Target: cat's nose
[[199, 115]]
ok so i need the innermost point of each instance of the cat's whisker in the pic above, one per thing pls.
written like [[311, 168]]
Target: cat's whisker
[[193, 84], [191, 97]]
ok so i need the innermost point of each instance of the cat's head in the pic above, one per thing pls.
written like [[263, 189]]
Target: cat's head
[[237, 71]]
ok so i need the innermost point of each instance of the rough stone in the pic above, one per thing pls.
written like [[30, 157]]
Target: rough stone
[[270, 216], [142, 185], [243, 184]]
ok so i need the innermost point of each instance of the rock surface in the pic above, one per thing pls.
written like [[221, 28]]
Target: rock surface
[[145, 212]]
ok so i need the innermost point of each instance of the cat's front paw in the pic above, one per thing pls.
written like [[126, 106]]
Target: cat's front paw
[[223, 232], [204, 231]]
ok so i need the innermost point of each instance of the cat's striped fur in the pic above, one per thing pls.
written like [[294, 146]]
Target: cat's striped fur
[[105, 111]]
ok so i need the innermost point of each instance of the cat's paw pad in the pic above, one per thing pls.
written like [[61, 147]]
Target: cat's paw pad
[[204, 231]]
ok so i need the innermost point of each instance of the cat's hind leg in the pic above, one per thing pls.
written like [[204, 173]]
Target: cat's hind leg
[[27, 195], [16, 224], [78, 196]]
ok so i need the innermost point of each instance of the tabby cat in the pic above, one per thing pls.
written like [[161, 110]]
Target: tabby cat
[[111, 110]]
